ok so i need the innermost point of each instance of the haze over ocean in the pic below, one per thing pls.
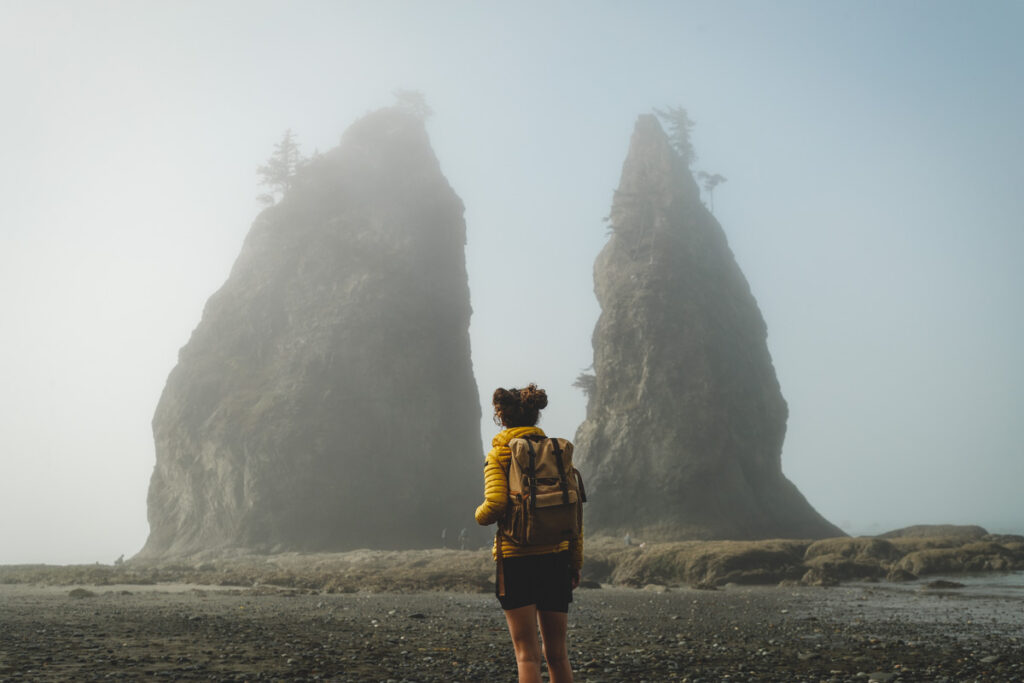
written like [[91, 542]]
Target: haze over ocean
[[873, 201]]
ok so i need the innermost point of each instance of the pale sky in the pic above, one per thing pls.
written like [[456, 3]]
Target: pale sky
[[873, 152]]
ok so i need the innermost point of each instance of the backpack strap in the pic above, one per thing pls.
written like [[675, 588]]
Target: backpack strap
[[579, 485], [561, 471], [500, 569], [532, 474]]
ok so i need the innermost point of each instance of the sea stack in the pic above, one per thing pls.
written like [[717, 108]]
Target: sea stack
[[685, 418], [326, 400]]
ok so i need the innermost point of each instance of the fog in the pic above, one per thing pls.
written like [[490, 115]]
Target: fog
[[873, 154]]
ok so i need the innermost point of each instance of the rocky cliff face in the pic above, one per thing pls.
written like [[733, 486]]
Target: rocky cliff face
[[326, 400], [685, 420]]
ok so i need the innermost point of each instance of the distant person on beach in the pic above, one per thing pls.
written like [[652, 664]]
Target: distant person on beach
[[537, 581]]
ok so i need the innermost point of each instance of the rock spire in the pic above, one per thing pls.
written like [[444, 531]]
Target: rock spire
[[685, 419], [326, 400]]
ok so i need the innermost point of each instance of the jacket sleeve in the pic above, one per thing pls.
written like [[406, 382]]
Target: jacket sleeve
[[495, 492]]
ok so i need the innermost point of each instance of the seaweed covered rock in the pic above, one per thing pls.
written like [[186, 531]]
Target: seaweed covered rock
[[937, 531], [701, 564], [977, 556], [685, 419], [326, 399], [833, 560], [861, 548]]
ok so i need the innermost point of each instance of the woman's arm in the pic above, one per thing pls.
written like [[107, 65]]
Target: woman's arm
[[495, 491]]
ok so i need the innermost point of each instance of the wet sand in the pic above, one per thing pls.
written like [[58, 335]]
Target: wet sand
[[185, 632]]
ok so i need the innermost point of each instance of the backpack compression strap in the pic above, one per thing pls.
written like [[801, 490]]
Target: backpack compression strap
[[499, 570], [532, 473], [561, 471], [579, 485]]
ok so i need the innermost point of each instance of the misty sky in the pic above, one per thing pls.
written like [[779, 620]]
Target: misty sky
[[874, 201]]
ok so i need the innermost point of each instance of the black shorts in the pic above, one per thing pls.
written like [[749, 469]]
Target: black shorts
[[541, 580]]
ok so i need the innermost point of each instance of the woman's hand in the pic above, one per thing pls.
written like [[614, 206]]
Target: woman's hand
[[574, 581]]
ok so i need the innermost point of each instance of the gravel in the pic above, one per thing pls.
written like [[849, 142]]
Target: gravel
[[738, 634]]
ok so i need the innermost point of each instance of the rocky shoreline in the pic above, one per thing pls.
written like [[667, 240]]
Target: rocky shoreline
[[700, 564], [899, 556]]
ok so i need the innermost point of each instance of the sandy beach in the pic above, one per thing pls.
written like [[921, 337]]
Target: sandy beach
[[176, 631]]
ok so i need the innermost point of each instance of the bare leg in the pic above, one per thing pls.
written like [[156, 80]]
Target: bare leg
[[554, 628], [522, 626]]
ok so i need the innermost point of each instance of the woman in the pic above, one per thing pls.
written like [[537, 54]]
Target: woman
[[539, 579]]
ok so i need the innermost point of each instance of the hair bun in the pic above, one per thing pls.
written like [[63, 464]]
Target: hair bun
[[534, 397]]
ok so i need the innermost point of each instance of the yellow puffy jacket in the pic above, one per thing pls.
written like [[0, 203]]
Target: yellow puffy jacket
[[496, 499]]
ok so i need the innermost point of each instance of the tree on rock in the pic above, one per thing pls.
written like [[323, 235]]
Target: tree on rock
[[279, 172], [680, 126], [413, 102], [586, 382], [711, 181]]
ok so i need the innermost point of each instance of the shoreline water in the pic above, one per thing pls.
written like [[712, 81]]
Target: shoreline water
[[994, 584]]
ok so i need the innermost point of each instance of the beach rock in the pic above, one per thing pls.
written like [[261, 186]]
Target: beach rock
[[906, 545], [969, 557], [326, 399], [897, 575], [833, 560], [833, 571], [861, 548], [598, 566], [937, 530], [1014, 542], [882, 677], [685, 418], [820, 576], [710, 563]]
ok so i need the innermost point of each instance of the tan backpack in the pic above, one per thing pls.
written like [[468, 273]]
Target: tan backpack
[[546, 493]]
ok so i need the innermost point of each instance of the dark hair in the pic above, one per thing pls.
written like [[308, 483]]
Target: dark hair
[[518, 407]]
